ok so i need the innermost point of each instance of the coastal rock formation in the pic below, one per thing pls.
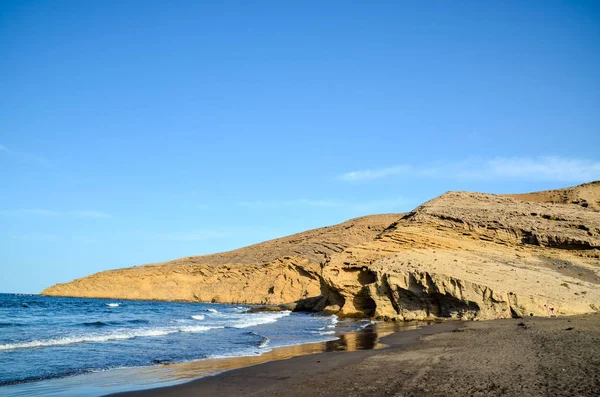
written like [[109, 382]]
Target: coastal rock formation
[[462, 255], [279, 271]]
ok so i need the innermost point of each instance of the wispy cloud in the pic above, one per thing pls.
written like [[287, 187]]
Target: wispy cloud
[[376, 173], [3, 148], [47, 212], [547, 168]]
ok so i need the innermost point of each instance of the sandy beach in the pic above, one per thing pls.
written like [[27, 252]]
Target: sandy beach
[[513, 357]]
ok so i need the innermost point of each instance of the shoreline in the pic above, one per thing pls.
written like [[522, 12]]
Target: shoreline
[[348, 347], [534, 356], [145, 378]]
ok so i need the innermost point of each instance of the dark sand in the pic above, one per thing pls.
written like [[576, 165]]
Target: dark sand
[[516, 357]]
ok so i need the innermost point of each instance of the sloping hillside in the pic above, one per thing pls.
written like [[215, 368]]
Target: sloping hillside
[[276, 271], [586, 195], [461, 255]]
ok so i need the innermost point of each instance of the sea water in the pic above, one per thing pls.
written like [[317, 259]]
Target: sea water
[[44, 340]]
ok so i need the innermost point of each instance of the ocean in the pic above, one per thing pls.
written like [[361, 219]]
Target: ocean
[[55, 346]]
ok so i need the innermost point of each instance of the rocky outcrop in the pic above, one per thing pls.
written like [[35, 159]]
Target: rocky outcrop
[[462, 255], [513, 221]]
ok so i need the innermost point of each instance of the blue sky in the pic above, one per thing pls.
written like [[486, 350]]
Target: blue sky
[[142, 131]]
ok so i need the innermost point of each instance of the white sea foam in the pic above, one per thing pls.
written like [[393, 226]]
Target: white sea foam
[[113, 304], [197, 328], [366, 324], [264, 343], [326, 332], [212, 310], [333, 321], [250, 320], [84, 338], [236, 354], [117, 335], [198, 317]]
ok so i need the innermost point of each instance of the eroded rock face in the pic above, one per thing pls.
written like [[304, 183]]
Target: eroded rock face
[[279, 281], [513, 221], [462, 256]]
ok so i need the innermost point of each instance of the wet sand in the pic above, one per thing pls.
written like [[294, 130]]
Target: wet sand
[[514, 357]]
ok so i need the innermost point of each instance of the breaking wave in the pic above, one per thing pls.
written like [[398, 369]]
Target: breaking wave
[[250, 320], [324, 332], [263, 342], [334, 320], [117, 335]]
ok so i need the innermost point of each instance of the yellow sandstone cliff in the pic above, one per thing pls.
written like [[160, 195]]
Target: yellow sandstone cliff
[[461, 255]]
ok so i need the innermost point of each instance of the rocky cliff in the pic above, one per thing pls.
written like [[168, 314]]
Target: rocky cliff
[[462, 255]]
